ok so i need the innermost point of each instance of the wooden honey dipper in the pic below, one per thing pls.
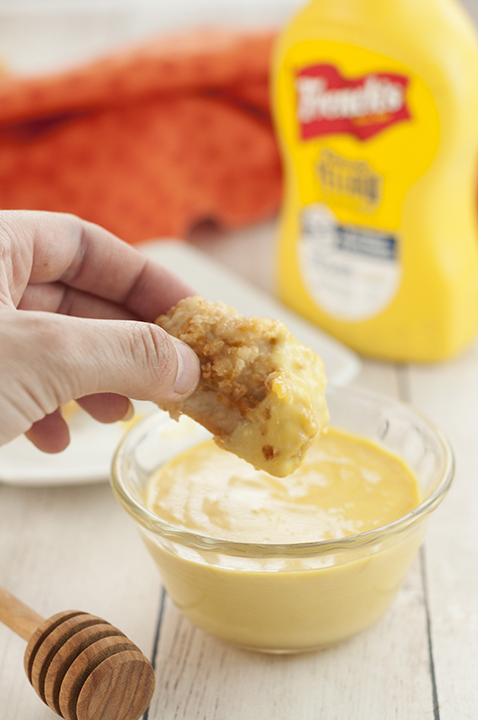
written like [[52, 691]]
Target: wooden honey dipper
[[81, 666]]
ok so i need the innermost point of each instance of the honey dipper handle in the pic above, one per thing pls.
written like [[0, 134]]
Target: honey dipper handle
[[17, 616]]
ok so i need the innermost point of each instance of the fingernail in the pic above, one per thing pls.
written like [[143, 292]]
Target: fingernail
[[188, 369], [129, 413]]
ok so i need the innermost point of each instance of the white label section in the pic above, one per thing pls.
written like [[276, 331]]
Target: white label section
[[351, 271]]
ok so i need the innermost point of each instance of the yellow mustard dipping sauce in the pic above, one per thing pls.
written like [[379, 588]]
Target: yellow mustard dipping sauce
[[297, 600], [347, 485]]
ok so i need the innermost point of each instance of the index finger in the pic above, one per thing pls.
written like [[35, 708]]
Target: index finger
[[64, 248]]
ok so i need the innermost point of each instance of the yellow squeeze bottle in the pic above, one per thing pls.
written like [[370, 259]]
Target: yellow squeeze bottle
[[376, 107]]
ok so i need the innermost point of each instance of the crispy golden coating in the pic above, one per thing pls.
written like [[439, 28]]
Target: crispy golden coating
[[261, 392]]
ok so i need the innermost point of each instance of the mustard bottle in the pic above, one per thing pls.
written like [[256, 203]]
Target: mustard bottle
[[376, 109]]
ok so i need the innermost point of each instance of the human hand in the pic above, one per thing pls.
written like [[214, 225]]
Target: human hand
[[76, 312]]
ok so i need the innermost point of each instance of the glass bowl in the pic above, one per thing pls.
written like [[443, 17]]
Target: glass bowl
[[285, 598]]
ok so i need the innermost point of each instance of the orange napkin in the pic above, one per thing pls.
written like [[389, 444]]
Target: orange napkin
[[148, 142]]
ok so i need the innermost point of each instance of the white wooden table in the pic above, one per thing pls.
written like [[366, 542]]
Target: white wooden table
[[74, 547]]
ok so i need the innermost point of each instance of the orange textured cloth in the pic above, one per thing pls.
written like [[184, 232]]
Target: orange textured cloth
[[147, 142]]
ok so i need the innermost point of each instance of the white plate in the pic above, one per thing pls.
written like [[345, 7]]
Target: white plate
[[88, 457]]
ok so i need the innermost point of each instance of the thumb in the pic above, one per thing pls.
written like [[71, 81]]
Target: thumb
[[128, 357], [48, 359]]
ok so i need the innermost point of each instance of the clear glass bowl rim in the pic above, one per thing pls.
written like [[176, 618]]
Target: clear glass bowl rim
[[260, 550]]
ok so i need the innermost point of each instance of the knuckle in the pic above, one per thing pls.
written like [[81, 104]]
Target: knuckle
[[153, 349]]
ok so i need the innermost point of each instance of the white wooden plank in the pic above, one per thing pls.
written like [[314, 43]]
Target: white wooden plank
[[448, 393], [70, 548], [382, 674]]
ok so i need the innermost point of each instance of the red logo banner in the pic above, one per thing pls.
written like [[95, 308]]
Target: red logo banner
[[329, 103]]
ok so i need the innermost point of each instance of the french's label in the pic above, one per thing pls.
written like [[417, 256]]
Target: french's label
[[330, 103]]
